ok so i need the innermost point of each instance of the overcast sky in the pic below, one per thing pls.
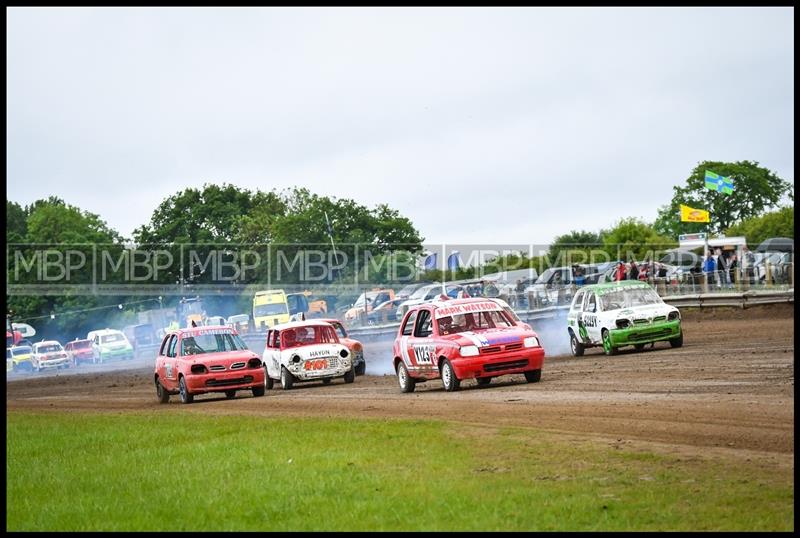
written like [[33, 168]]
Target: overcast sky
[[481, 125]]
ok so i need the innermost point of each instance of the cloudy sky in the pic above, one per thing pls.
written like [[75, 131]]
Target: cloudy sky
[[481, 125]]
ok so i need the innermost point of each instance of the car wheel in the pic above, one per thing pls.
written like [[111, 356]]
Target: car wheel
[[677, 342], [161, 393], [230, 394], [269, 381], [449, 379], [361, 369], [533, 376], [577, 347], [407, 383], [326, 381], [350, 376], [484, 381], [259, 392], [186, 396], [287, 379], [638, 347], [608, 349]]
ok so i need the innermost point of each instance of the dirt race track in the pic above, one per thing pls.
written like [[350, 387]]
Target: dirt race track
[[729, 390]]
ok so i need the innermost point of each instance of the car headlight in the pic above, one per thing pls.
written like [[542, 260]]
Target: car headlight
[[674, 315], [623, 323], [531, 341], [469, 351]]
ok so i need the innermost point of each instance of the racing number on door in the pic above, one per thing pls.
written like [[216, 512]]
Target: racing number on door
[[424, 354]]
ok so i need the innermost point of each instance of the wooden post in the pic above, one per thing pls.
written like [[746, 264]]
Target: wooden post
[[768, 275]]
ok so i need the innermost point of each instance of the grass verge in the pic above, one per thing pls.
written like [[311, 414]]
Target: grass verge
[[166, 472]]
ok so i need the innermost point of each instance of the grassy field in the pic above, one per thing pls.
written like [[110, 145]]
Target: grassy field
[[188, 472]]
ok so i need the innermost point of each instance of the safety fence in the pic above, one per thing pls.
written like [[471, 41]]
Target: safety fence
[[732, 298]]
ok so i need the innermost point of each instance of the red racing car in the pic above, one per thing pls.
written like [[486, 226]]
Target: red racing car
[[206, 359], [463, 339]]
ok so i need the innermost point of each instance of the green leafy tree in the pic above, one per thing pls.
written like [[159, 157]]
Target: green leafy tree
[[55, 228], [16, 222], [755, 189], [778, 223], [633, 238]]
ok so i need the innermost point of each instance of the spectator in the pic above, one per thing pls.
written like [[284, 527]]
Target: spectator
[[520, 289], [722, 269], [578, 277], [748, 264], [619, 275], [633, 272], [490, 290], [709, 267]]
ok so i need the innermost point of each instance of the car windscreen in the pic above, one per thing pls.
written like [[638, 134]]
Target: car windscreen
[[472, 321], [306, 336], [628, 298], [274, 309], [24, 350], [51, 348], [82, 344], [109, 338], [211, 342]]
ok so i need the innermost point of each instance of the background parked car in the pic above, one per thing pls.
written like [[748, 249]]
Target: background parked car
[[141, 335], [385, 312], [240, 322]]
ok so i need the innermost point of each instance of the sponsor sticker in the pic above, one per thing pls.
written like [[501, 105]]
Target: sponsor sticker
[[466, 308]]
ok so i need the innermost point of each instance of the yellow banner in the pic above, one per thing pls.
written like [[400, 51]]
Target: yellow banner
[[693, 215]]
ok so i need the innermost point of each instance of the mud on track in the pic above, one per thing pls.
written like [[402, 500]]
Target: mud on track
[[728, 390]]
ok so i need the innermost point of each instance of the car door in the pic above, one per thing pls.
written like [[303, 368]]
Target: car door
[[575, 316], [590, 317], [421, 347], [171, 364], [272, 354]]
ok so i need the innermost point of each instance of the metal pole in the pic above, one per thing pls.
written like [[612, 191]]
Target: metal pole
[[330, 236]]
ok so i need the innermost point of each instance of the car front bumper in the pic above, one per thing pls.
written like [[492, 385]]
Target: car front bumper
[[116, 354], [497, 364], [645, 333], [53, 363], [246, 378]]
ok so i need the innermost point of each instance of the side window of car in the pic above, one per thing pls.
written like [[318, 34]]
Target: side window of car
[[277, 342], [591, 303], [163, 349], [423, 325], [578, 302], [408, 328], [172, 345]]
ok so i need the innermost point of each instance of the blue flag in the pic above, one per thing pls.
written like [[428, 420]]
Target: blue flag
[[430, 262], [453, 261]]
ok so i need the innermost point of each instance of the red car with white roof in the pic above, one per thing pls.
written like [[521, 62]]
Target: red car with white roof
[[463, 339], [199, 360]]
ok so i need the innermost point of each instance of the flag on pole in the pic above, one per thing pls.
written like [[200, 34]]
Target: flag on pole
[[430, 262], [718, 183], [689, 214], [453, 261]]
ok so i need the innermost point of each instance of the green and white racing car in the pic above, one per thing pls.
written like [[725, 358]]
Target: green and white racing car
[[621, 314]]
